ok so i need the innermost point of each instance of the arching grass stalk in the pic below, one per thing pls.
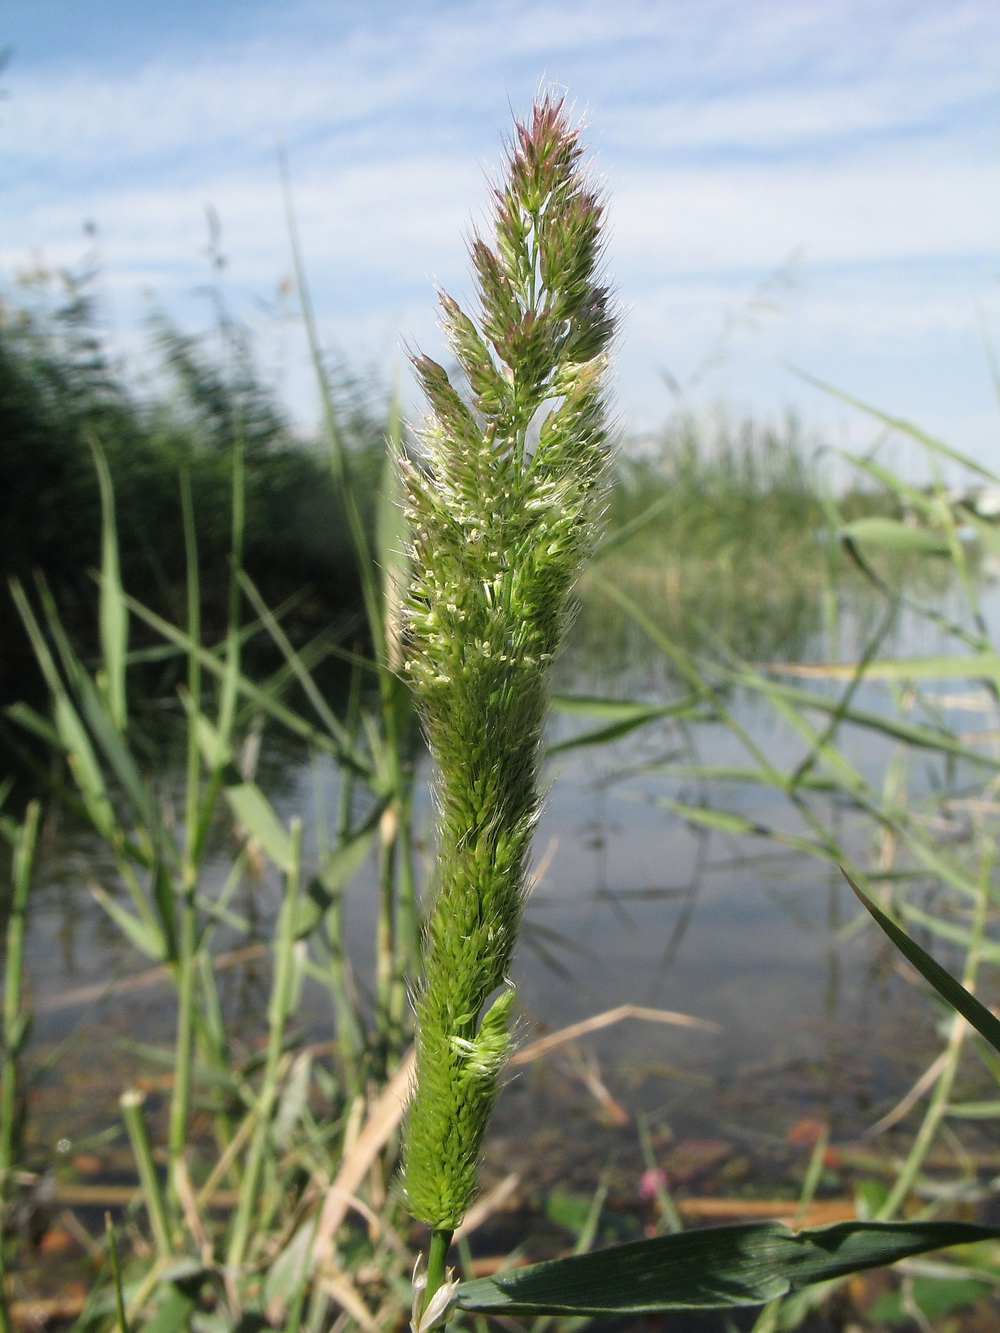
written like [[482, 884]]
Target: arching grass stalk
[[503, 510]]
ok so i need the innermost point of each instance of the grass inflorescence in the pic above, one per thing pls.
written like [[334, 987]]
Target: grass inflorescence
[[503, 509]]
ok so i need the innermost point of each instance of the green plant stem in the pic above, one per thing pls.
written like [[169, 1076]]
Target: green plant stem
[[184, 1046], [437, 1260], [131, 1107], [408, 916], [385, 942], [281, 993], [116, 1274], [13, 1017], [348, 1021], [5, 1324]]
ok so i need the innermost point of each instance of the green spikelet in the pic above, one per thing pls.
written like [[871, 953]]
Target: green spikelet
[[502, 510]]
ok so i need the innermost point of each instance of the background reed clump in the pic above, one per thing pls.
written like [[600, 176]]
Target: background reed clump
[[502, 510]]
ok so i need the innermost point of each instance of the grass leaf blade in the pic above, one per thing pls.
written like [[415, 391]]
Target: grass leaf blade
[[985, 1023], [711, 1269]]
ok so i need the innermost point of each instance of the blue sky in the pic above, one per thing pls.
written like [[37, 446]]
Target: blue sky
[[814, 181]]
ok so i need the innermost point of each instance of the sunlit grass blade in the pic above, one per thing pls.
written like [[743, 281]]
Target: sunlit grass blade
[[894, 727], [280, 1006], [727, 821], [896, 536], [901, 424], [337, 868], [116, 1274], [630, 717]]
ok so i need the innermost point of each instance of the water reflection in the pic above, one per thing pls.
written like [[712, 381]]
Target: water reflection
[[632, 905]]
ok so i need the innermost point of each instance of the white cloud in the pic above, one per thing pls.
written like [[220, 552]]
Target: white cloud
[[731, 133]]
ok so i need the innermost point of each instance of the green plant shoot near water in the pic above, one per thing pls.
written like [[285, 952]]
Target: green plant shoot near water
[[503, 509], [502, 513]]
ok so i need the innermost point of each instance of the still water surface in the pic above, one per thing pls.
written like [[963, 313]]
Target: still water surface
[[631, 906]]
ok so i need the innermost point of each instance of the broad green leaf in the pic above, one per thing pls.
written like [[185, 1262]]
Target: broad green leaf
[[985, 1023], [289, 1270], [138, 790], [84, 766], [294, 1100], [16, 1034], [898, 536], [72, 734], [345, 860], [711, 1269], [569, 1209], [202, 1075], [214, 750]]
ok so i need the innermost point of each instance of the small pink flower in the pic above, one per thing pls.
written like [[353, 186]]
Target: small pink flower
[[652, 1182]]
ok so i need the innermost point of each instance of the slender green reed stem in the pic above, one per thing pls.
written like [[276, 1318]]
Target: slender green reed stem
[[408, 916], [346, 1016], [131, 1107], [5, 1321], [437, 1261], [185, 965], [116, 1274], [14, 1018], [385, 944], [282, 987]]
